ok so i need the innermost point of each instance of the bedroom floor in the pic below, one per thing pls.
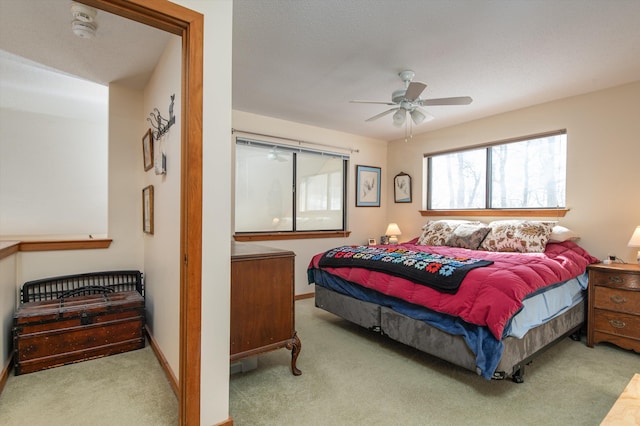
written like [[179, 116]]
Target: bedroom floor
[[353, 377]]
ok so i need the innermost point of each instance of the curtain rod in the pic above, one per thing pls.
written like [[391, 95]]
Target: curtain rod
[[298, 141]]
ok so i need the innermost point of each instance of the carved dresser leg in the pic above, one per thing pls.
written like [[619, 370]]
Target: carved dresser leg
[[295, 346]]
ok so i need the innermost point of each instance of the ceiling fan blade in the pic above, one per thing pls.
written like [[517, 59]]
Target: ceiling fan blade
[[414, 90], [461, 100], [372, 102], [382, 114]]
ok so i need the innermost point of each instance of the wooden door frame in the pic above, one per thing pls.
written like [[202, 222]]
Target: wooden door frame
[[189, 25]]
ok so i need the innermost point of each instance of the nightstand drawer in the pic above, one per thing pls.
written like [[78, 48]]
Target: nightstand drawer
[[617, 323], [615, 279], [617, 300]]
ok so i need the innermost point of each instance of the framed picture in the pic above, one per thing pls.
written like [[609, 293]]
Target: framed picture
[[367, 186], [402, 188], [147, 150], [147, 210], [372, 241]]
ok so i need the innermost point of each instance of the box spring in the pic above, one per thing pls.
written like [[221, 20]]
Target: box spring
[[426, 338]]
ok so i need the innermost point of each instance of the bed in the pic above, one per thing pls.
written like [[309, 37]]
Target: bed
[[486, 297]]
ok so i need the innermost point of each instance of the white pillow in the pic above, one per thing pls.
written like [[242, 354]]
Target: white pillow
[[560, 233]]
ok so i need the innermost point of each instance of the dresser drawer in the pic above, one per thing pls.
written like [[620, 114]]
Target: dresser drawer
[[617, 323], [617, 300], [615, 279]]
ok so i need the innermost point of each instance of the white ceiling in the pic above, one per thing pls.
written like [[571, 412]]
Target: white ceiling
[[304, 60]]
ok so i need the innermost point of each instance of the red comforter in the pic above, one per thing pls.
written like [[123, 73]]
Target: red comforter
[[488, 296]]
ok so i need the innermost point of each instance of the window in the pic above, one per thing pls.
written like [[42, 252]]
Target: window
[[285, 189], [520, 174]]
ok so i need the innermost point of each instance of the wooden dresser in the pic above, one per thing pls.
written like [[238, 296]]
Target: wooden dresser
[[262, 302], [614, 305]]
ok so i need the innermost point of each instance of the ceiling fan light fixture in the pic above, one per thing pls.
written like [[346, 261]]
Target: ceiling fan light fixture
[[417, 116], [399, 117]]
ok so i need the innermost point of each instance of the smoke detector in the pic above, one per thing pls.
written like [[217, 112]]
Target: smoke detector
[[83, 25], [84, 29], [83, 13]]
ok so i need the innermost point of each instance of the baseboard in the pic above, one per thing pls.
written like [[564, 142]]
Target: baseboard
[[163, 363], [304, 296], [5, 372]]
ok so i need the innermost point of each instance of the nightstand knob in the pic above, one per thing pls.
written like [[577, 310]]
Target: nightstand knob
[[618, 299], [616, 279], [617, 323]]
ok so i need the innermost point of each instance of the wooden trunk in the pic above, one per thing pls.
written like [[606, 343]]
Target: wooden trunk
[[52, 333]]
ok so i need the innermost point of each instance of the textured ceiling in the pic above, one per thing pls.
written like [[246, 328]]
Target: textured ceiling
[[304, 60], [123, 51]]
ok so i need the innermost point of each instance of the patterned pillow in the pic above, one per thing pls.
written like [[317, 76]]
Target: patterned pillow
[[468, 236], [437, 232], [522, 236]]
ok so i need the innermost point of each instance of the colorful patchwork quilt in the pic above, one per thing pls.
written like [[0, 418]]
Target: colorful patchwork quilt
[[440, 272]]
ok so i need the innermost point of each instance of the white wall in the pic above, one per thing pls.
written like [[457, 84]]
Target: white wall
[[125, 177], [363, 222], [7, 306], [53, 152], [162, 248], [216, 207], [603, 162]]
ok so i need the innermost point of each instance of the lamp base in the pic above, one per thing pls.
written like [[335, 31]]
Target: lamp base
[[638, 257], [393, 239]]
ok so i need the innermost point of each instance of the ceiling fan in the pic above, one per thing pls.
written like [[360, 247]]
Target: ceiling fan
[[408, 100]]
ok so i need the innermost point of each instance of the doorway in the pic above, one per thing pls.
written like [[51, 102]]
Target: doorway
[[189, 25]]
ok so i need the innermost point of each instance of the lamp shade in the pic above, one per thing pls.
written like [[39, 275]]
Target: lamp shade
[[417, 116], [393, 229], [635, 238], [399, 117]]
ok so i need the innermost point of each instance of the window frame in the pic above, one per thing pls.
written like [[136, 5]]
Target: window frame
[[483, 212], [297, 234]]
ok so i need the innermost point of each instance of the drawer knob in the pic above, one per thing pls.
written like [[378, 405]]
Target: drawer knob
[[618, 299], [616, 279], [617, 323]]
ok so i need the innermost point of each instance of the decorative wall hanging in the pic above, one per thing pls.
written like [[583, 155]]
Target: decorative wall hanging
[[367, 186], [160, 124], [402, 188], [160, 157], [147, 210], [147, 150]]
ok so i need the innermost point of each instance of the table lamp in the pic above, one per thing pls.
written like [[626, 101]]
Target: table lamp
[[635, 241], [393, 231]]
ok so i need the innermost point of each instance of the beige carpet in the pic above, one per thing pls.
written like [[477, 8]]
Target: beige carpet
[[353, 377], [349, 377], [124, 389]]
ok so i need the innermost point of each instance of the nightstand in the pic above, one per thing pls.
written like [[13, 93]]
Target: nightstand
[[614, 305]]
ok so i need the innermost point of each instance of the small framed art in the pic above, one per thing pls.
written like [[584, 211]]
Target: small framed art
[[367, 186], [402, 188], [147, 150], [147, 210]]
